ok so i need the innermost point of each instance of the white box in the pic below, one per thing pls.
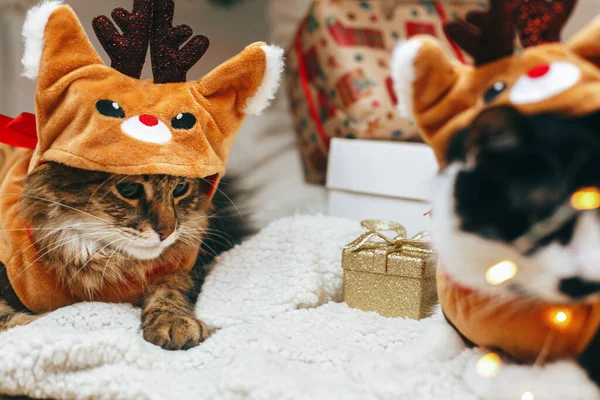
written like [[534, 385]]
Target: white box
[[383, 180]]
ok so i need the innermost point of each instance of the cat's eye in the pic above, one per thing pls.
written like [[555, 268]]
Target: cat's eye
[[180, 189], [130, 190], [183, 121], [494, 91], [110, 108]]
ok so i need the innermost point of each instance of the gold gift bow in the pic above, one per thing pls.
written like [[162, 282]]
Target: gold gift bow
[[399, 243]]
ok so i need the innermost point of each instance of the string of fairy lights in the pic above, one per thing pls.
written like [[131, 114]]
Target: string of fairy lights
[[490, 364]]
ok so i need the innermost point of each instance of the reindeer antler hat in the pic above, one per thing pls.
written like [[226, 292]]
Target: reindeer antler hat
[[443, 97], [96, 117]]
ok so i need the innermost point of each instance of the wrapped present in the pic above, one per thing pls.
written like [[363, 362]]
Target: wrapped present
[[393, 277], [338, 74], [381, 180]]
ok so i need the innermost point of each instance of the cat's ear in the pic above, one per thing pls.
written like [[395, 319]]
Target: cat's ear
[[422, 75], [586, 43], [246, 83], [55, 44]]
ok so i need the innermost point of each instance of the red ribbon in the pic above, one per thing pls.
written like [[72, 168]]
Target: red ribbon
[[19, 132]]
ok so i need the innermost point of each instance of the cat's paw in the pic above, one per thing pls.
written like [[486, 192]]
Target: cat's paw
[[173, 332]]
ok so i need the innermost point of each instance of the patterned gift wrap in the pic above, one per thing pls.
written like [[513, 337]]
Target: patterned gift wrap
[[338, 75]]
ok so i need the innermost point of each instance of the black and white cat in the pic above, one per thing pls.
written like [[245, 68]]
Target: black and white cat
[[508, 175]]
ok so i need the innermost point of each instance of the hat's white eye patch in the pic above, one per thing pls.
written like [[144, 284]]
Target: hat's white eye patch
[[544, 81]]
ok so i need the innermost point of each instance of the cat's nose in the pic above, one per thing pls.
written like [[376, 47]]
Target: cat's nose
[[577, 287], [164, 233]]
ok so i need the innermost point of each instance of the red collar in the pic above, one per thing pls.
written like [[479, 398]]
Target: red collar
[[157, 270], [455, 283]]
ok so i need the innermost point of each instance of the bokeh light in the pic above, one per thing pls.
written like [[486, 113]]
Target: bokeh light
[[587, 198], [501, 272], [560, 317], [488, 365], [528, 395]]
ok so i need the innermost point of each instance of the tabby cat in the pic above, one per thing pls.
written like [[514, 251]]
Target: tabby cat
[[101, 229]]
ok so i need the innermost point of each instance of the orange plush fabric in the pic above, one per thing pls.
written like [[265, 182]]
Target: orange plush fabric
[[445, 97], [139, 135], [73, 79], [522, 329]]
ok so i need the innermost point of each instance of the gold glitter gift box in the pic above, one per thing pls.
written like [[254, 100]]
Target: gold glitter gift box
[[393, 277]]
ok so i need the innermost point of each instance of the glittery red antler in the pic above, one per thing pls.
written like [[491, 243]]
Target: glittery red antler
[[540, 21], [170, 61], [127, 51], [486, 36]]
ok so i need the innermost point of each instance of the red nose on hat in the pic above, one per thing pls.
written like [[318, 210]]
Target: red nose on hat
[[148, 120], [539, 71]]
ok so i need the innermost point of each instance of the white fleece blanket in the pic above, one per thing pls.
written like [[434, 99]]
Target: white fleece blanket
[[279, 333]]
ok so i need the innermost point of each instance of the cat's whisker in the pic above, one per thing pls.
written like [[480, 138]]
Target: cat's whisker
[[124, 250], [64, 205], [227, 197], [213, 233], [224, 241], [92, 257], [200, 229], [52, 232], [184, 239], [128, 243], [191, 240], [203, 238], [97, 189], [62, 243], [197, 219], [57, 228], [129, 235], [212, 251], [108, 234], [67, 240], [218, 242]]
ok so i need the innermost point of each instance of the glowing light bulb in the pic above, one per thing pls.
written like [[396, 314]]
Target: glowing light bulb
[[488, 365], [501, 272], [560, 317], [587, 198], [528, 395]]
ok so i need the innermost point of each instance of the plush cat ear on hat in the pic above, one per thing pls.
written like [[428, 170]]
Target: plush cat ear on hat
[[245, 83], [586, 43], [55, 44], [422, 75]]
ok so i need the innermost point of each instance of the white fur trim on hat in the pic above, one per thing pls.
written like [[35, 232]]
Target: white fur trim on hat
[[270, 82], [33, 35], [403, 74]]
